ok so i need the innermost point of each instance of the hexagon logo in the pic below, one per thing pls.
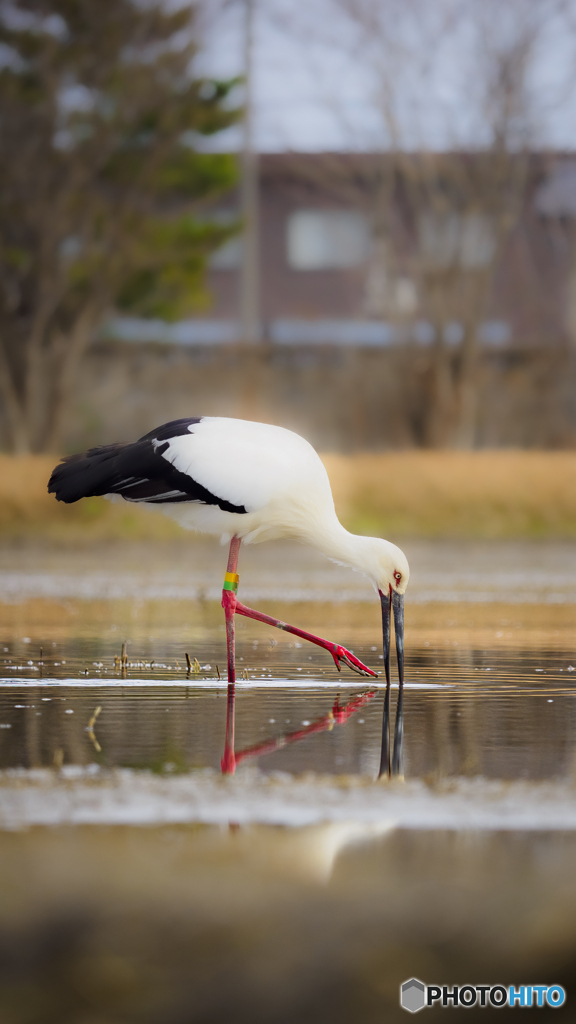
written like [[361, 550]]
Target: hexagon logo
[[413, 995]]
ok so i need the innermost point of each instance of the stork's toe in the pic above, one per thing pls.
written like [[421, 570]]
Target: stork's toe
[[341, 655]]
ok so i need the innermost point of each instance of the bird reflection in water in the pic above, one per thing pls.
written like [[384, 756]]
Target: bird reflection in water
[[311, 851], [308, 851], [338, 715]]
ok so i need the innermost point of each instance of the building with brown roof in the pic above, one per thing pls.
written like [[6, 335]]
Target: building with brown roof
[[354, 249]]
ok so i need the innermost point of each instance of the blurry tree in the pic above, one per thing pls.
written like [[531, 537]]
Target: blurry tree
[[100, 183], [442, 197], [462, 208]]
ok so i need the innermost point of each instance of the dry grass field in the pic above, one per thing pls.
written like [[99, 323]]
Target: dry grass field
[[485, 494]]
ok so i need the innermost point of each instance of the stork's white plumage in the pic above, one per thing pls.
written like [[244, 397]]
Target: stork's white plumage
[[278, 478], [246, 482]]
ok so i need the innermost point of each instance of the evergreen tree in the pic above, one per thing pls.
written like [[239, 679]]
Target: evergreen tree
[[100, 187]]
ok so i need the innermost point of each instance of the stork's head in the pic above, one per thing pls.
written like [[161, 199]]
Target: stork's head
[[391, 571]]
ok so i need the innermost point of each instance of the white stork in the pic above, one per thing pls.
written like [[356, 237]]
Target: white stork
[[246, 482]]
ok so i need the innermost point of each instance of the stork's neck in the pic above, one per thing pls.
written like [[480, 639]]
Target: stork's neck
[[348, 548]]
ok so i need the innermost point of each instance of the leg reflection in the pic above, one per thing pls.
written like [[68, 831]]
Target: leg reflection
[[338, 715], [228, 762]]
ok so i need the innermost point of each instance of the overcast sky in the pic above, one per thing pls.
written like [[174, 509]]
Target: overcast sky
[[318, 75]]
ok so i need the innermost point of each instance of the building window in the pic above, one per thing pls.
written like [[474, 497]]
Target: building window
[[327, 239], [452, 239]]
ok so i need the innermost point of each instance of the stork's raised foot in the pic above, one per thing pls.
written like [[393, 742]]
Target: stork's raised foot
[[341, 655]]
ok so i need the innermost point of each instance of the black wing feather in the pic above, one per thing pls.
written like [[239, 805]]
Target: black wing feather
[[136, 471]]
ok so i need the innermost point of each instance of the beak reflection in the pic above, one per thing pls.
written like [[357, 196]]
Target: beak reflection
[[392, 605]]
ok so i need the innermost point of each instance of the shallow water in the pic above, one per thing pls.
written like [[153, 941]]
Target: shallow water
[[500, 714], [489, 683], [463, 872]]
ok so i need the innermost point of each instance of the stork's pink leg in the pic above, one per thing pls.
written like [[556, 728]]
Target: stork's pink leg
[[228, 762], [231, 605], [339, 653]]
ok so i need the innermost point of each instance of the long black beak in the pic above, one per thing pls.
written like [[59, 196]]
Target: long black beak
[[398, 609], [385, 765], [392, 602]]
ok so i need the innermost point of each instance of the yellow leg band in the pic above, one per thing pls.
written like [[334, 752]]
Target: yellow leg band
[[231, 581]]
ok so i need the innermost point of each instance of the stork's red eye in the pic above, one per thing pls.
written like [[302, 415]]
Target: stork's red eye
[[397, 576]]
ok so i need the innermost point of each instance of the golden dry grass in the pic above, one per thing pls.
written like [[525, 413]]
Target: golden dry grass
[[500, 494], [27, 510], [457, 494]]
